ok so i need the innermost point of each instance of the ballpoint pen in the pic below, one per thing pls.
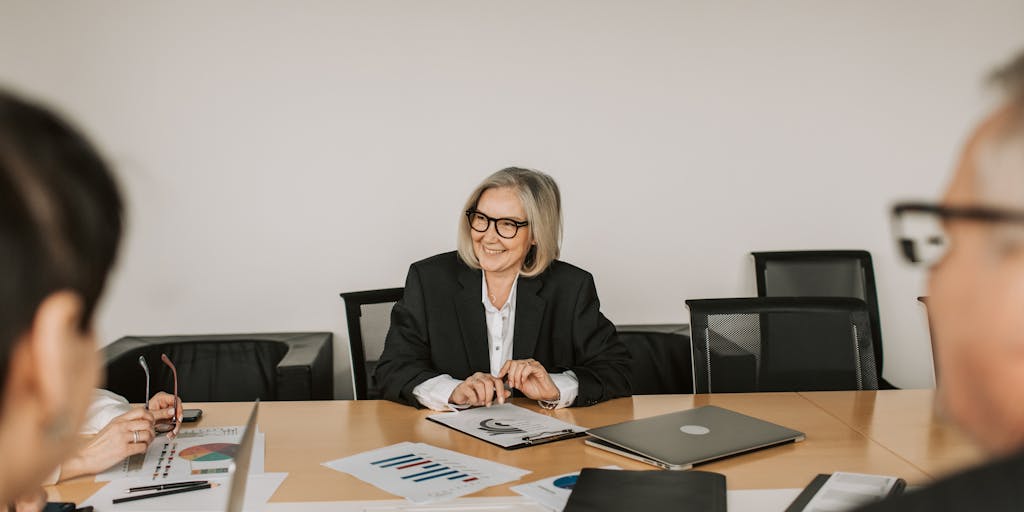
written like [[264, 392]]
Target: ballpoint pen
[[177, 490], [162, 487]]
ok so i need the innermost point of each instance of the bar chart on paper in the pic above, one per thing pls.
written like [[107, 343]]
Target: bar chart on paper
[[423, 473]]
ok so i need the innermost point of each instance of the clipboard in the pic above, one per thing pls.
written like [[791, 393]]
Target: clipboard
[[508, 426]]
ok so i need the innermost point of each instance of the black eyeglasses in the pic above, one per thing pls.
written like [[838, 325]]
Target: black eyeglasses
[[920, 233], [506, 228]]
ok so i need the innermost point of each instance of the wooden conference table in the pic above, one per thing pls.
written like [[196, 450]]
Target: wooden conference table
[[882, 432]]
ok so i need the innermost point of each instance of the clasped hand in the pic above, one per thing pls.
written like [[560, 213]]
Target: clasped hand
[[527, 375]]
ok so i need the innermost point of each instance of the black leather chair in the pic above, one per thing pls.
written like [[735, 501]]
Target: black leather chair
[[659, 358], [782, 344], [366, 345], [225, 367], [830, 273]]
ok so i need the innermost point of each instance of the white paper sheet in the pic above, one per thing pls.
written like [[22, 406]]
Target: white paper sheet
[[505, 424], [497, 504], [759, 500], [196, 454], [258, 491], [423, 473], [847, 491], [552, 493]]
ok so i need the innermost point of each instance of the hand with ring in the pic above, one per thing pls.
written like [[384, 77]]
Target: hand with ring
[[530, 377], [125, 435], [480, 389]]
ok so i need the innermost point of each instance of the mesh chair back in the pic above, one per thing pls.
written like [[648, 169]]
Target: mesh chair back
[[369, 316], [791, 344], [822, 274]]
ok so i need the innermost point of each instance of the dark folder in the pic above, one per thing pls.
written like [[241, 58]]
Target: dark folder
[[805, 497], [609, 489]]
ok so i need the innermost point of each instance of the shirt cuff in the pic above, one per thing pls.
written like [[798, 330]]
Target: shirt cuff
[[434, 393], [568, 387]]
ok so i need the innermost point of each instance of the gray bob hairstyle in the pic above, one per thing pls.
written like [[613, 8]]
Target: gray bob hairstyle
[[543, 205]]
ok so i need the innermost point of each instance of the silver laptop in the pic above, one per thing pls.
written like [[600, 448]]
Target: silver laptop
[[240, 474], [679, 440]]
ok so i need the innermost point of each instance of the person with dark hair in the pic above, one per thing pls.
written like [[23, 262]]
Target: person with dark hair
[[60, 226], [975, 256], [502, 312]]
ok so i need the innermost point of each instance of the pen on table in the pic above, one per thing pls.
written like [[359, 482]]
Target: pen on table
[[166, 493], [165, 486]]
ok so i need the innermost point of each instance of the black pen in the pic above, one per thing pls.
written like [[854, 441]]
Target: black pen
[[162, 487], [166, 493]]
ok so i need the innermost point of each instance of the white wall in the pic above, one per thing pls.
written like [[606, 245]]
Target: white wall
[[277, 153]]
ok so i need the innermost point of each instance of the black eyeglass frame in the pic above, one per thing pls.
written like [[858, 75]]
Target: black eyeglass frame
[[980, 213], [972, 213], [491, 220]]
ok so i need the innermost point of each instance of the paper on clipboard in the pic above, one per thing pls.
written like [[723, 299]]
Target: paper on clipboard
[[508, 426]]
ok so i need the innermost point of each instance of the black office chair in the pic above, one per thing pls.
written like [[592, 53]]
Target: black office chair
[[782, 344], [225, 367], [846, 273], [659, 358], [366, 334]]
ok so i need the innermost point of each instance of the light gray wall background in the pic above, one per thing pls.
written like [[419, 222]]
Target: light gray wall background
[[277, 153]]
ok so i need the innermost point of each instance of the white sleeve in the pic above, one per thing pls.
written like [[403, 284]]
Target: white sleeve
[[434, 393], [105, 406], [568, 387]]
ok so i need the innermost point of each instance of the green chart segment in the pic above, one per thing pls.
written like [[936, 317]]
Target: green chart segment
[[210, 452]]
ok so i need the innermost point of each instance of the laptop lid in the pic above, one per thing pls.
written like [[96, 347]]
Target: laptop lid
[[240, 473], [681, 439]]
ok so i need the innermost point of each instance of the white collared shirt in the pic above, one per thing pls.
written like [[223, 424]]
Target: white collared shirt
[[434, 393]]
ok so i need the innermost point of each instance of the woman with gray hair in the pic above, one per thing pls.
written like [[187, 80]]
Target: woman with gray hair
[[502, 313]]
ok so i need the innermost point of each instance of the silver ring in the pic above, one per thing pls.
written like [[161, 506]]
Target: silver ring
[[135, 435]]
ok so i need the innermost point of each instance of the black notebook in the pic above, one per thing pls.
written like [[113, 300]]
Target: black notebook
[[860, 490], [609, 489]]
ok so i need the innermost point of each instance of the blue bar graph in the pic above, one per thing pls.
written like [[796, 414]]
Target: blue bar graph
[[393, 458], [424, 479], [421, 469]]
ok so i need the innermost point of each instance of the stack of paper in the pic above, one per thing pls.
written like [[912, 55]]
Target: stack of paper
[[552, 492], [205, 454], [423, 473]]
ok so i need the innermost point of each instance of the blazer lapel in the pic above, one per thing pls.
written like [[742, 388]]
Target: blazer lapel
[[471, 320], [529, 313]]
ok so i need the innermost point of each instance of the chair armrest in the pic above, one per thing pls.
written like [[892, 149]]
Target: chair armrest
[[306, 372]]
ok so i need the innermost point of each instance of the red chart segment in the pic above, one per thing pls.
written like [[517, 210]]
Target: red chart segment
[[210, 452]]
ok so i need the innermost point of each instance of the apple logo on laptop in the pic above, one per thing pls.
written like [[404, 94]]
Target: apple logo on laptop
[[696, 430]]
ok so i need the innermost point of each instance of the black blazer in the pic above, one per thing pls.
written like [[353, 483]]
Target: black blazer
[[439, 327], [992, 486]]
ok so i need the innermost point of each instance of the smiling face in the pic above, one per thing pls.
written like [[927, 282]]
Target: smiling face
[[497, 255]]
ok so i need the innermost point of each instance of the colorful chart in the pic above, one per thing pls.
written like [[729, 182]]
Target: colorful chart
[[422, 469], [210, 452]]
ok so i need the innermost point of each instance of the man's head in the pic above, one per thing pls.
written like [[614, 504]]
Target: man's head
[[60, 224], [976, 291]]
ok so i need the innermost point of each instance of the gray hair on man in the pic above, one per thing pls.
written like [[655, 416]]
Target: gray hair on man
[[1000, 162]]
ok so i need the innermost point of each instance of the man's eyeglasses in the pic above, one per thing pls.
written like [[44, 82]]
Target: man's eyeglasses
[[163, 427], [506, 228], [920, 232]]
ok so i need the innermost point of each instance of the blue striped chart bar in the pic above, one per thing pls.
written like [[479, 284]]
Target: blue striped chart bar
[[400, 459], [438, 475]]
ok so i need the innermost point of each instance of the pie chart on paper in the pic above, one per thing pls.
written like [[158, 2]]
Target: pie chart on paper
[[210, 452]]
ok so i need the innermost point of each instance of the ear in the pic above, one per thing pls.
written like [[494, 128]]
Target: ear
[[56, 323]]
